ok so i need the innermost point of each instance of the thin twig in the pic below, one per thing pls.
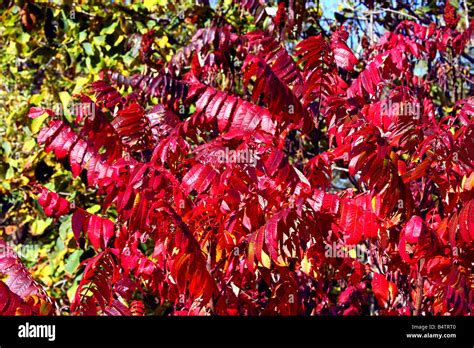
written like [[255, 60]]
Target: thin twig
[[419, 288], [341, 169], [396, 12]]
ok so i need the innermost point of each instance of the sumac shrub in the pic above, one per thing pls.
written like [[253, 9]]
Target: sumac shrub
[[248, 177]]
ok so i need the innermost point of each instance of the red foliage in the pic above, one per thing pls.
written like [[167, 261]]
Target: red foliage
[[450, 17], [212, 213], [20, 294]]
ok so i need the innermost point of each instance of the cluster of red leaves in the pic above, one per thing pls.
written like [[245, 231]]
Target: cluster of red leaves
[[212, 215], [450, 17], [19, 293]]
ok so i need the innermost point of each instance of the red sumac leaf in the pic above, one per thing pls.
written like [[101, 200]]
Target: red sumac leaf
[[466, 222], [380, 287], [413, 229], [52, 203], [99, 231], [198, 178], [77, 222], [36, 112], [357, 223], [343, 56]]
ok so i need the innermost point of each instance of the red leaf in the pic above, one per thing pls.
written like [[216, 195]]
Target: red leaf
[[137, 308], [77, 156], [9, 301], [131, 125], [416, 173], [77, 222], [357, 223], [380, 287], [343, 55], [52, 203], [99, 230], [48, 132], [96, 285], [413, 229], [199, 178], [273, 161], [36, 112], [17, 278], [326, 203], [466, 222]]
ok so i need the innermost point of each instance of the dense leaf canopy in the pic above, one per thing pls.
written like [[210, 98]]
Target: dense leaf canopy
[[237, 158]]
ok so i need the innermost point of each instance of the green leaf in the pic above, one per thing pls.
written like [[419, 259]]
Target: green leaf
[[39, 226], [82, 36], [65, 230], [109, 29], [99, 40], [60, 244], [24, 38], [10, 173], [7, 148], [93, 209], [88, 48], [128, 59], [73, 261]]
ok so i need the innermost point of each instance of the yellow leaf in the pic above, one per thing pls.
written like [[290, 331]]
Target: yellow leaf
[[218, 252], [65, 98], [38, 122], [35, 99], [80, 82], [352, 253], [12, 49], [374, 203], [151, 4], [39, 226], [44, 274], [447, 109], [93, 209], [306, 265], [163, 42], [265, 260], [71, 292], [119, 40], [468, 182]]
